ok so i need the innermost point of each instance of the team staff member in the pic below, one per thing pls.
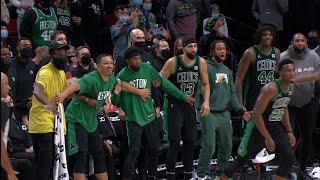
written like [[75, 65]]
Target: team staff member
[[218, 121], [84, 135], [185, 72], [141, 121], [270, 124]]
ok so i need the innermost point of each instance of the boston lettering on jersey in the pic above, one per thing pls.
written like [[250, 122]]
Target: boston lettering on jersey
[[139, 83], [261, 72], [186, 78]]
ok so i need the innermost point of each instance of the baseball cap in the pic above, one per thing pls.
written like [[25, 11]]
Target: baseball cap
[[56, 45]]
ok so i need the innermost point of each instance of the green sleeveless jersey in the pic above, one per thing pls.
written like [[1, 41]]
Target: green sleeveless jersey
[[43, 27], [277, 106], [186, 78], [261, 71]]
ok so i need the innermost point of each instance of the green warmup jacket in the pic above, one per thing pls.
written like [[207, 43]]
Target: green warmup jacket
[[137, 110], [222, 89]]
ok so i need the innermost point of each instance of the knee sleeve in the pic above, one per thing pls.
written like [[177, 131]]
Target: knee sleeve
[[80, 160], [99, 162]]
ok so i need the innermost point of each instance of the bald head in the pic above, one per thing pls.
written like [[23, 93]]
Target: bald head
[[137, 36], [5, 88]]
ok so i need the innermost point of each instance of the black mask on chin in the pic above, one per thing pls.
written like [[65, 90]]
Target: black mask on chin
[[313, 42], [59, 63], [180, 52], [26, 52], [140, 45], [166, 54], [86, 59], [135, 68]]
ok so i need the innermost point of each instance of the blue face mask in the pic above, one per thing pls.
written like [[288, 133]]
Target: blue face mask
[[147, 6], [138, 2], [4, 34]]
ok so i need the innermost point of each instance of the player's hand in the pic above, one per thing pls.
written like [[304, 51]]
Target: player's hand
[[190, 100], [92, 102], [121, 115], [292, 139], [58, 98], [246, 116], [117, 88], [205, 109], [158, 110], [144, 94], [12, 175], [270, 144]]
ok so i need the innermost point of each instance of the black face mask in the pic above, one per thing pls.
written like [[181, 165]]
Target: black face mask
[[191, 56], [86, 59], [313, 42], [166, 54], [140, 45], [59, 63], [26, 52], [180, 52]]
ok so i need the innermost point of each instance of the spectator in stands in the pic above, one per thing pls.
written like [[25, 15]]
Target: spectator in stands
[[5, 59], [64, 17], [7, 171], [38, 23], [182, 16], [213, 25], [163, 53], [148, 18], [271, 12], [41, 52], [85, 62], [21, 150], [303, 101], [314, 41], [119, 31], [4, 35], [21, 73], [72, 61], [50, 81], [5, 15], [22, 6], [178, 47], [137, 39], [215, 11]]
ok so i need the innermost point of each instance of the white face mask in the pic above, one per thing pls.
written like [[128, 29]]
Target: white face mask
[[123, 19]]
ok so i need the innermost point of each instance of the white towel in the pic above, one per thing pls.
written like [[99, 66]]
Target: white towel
[[60, 169]]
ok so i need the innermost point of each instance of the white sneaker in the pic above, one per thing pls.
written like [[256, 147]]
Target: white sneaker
[[263, 156], [315, 173]]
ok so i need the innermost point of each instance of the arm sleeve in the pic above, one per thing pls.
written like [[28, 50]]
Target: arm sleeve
[[234, 101], [156, 96], [170, 16]]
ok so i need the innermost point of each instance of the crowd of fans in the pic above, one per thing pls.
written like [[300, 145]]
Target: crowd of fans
[[71, 52]]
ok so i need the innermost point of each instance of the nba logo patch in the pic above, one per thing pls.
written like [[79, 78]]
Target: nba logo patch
[[273, 55], [196, 68]]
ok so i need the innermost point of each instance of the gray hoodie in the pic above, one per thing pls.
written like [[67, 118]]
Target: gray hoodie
[[306, 62]]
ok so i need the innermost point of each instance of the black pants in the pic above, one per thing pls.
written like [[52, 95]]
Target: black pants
[[148, 137], [283, 149], [44, 154], [25, 167], [181, 126], [303, 122], [89, 144]]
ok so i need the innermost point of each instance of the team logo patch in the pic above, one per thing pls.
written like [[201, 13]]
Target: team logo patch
[[196, 68], [259, 56], [180, 69], [221, 78], [273, 55], [31, 72]]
